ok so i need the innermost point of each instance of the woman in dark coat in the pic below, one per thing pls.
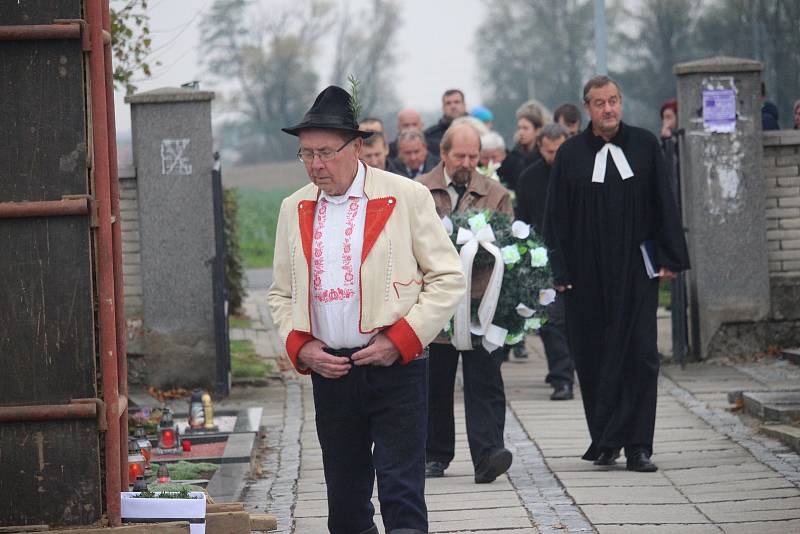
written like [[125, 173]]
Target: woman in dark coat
[[530, 118]]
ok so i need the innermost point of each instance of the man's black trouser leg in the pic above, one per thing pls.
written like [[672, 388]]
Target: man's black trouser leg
[[442, 366], [560, 365], [385, 406], [484, 401]]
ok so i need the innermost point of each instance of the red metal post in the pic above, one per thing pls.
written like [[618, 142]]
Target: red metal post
[[47, 412], [40, 31], [44, 208], [105, 259], [116, 234]]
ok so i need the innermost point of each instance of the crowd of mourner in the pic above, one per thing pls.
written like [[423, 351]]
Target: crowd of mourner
[[371, 284]]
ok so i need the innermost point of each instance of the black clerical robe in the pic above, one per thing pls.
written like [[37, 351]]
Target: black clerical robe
[[595, 231]]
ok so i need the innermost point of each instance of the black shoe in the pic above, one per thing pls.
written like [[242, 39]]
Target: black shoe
[[607, 457], [562, 392], [492, 466], [435, 469], [640, 462]]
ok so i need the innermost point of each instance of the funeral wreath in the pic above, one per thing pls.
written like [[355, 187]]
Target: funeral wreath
[[520, 287]]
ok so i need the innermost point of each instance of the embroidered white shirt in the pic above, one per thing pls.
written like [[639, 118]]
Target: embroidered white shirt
[[336, 261]]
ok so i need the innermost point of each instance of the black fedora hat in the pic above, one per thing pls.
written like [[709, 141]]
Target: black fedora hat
[[331, 110]]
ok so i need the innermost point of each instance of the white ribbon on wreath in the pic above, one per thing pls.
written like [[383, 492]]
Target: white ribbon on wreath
[[463, 328]]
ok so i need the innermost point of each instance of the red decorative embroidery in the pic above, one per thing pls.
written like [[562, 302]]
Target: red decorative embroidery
[[348, 276], [319, 249], [347, 259]]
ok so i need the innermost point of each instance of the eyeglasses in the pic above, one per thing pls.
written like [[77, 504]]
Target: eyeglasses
[[307, 156]]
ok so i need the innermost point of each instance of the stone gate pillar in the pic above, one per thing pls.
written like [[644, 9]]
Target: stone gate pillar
[[723, 197], [172, 154]]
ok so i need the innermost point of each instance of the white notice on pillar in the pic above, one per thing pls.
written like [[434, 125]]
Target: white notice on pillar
[[172, 159]]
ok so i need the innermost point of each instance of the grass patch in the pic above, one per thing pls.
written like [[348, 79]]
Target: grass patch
[[664, 294], [240, 321], [258, 217], [245, 363]]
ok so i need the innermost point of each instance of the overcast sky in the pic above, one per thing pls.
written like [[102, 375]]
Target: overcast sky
[[434, 43]]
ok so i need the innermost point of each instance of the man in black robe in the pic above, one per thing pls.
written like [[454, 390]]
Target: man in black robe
[[609, 195]]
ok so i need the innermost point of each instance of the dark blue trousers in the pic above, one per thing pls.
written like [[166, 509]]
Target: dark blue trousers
[[371, 422], [484, 402]]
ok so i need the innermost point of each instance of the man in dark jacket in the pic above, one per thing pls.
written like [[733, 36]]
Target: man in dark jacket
[[453, 107], [531, 195], [413, 158], [408, 119]]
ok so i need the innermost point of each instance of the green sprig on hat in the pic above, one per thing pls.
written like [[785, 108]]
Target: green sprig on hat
[[355, 105]]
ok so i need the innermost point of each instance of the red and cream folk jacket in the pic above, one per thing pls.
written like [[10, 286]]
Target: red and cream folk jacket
[[411, 276]]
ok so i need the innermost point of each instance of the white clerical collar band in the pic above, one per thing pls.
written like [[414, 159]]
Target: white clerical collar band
[[600, 159]]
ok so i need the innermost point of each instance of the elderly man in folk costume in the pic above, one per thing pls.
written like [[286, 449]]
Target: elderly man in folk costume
[[358, 293], [612, 223]]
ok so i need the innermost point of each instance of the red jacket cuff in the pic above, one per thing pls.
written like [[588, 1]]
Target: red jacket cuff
[[294, 342], [405, 340]]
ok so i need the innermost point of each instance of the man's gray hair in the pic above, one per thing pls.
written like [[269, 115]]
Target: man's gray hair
[[409, 134], [477, 124], [552, 131], [601, 80], [492, 141]]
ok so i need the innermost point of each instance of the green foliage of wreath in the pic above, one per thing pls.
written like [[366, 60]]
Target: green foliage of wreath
[[527, 272]]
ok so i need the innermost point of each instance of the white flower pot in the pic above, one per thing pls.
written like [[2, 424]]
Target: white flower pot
[[135, 510]]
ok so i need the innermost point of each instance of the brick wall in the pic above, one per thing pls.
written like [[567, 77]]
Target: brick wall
[[131, 256], [782, 173]]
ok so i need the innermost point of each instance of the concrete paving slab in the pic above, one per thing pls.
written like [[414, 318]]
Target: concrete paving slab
[[762, 527], [751, 505], [746, 471], [739, 496], [475, 525], [617, 477], [748, 515], [742, 487], [627, 495], [658, 529], [643, 514]]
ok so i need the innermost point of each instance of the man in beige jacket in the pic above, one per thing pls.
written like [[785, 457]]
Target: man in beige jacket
[[364, 278]]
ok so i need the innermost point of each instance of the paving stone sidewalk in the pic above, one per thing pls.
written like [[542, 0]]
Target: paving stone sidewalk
[[717, 475]]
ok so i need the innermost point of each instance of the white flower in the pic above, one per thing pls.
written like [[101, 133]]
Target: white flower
[[513, 339], [510, 254], [490, 170], [534, 323], [524, 311], [476, 222], [539, 257], [520, 230], [448, 225], [547, 296]]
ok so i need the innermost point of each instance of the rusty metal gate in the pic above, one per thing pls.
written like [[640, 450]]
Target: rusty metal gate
[[63, 382]]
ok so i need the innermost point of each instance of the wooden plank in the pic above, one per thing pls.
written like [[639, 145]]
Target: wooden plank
[[263, 522], [224, 507], [228, 523]]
